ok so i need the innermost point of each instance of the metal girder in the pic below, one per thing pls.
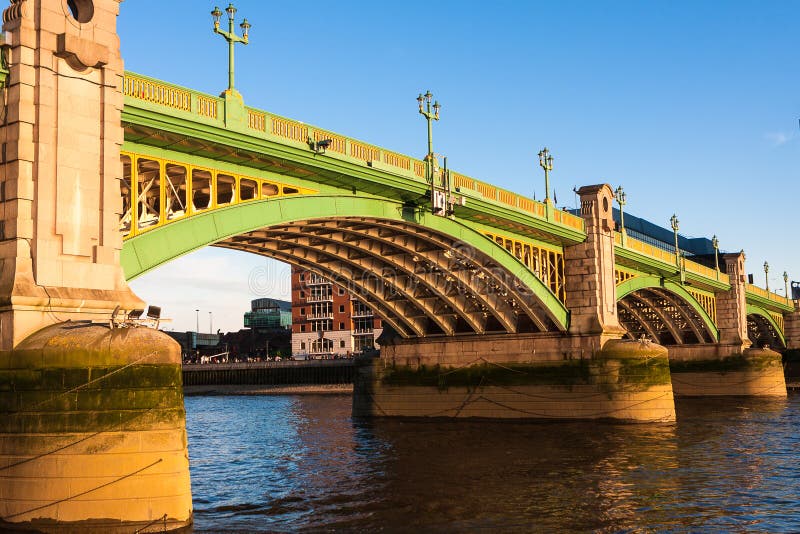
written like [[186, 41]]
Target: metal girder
[[401, 320], [686, 313], [403, 261], [759, 330], [369, 263], [435, 253], [398, 260], [641, 321], [529, 306]]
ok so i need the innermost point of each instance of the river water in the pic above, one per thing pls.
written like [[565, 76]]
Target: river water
[[288, 463]]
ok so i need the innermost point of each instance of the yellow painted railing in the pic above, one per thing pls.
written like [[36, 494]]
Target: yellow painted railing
[[143, 88], [769, 295], [665, 256], [157, 93]]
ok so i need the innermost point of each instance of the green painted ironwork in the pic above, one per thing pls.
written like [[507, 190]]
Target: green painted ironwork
[[753, 309], [151, 249], [643, 282]]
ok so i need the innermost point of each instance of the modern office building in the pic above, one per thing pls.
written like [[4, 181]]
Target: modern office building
[[268, 314], [327, 321]]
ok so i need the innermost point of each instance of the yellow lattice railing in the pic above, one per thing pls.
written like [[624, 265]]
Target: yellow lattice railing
[[257, 120], [338, 143], [769, 295], [546, 263], [364, 152], [397, 160], [157, 93], [702, 270], [506, 197], [289, 129], [207, 107], [708, 301], [142, 88]]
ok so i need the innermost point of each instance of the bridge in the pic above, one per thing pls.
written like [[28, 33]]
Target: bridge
[[203, 170], [501, 306]]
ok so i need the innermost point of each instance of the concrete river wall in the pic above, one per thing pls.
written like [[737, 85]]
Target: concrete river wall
[[270, 373]]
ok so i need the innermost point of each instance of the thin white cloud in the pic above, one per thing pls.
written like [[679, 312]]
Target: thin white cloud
[[778, 138]]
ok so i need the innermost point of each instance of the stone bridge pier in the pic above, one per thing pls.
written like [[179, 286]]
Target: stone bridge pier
[[92, 431], [731, 366], [585, 372]]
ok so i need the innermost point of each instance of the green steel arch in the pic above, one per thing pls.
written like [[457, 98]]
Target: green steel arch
[[648, 281], [162, 244], [752, 309]]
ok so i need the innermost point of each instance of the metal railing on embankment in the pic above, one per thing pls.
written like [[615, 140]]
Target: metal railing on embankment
[[270, 373]]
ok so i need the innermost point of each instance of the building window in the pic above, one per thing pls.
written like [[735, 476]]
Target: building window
[[302, 345], [321, 345], [341, 343], [324, 325], [341, 326], [341, 308], [302, 328], [341, 291], [362, 324], [303, 310], [302, 276], [302, 294]]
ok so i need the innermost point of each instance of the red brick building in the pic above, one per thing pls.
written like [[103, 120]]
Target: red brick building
[[327, 321]]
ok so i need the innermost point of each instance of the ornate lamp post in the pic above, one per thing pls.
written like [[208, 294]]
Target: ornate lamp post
[[546, 163], [715, 244], [786, 284], [619, 194], [766, 275], [431, 113], [230, 36], [673, 221], [197, 318]]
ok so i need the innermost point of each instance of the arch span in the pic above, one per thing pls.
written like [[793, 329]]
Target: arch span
[[762, 329], [426, 275], [664, 311]]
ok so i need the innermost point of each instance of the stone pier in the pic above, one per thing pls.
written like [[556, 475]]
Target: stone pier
[[92, 431], [730, 367], [586, 373]]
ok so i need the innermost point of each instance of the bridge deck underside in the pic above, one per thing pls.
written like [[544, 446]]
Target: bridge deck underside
[[658, 314], [421, 282]]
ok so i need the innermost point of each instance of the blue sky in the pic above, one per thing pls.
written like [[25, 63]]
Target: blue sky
[[691, 106]]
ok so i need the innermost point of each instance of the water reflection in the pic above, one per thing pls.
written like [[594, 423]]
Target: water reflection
[[287, 463]]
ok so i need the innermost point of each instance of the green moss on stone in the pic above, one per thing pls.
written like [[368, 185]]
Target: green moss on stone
[[614, 373], [737, 362]]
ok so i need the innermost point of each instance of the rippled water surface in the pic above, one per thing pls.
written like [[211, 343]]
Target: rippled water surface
[[286, 463]]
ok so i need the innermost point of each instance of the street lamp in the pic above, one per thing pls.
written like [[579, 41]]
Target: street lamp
[[619, 194], [715, 244], [210, 323], [673, 221], [766, 274], [431, 113], [786, 284], [546, 163], [197, 325], [231, 36]]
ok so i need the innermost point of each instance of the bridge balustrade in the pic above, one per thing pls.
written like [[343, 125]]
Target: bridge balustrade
[[263, 124]]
